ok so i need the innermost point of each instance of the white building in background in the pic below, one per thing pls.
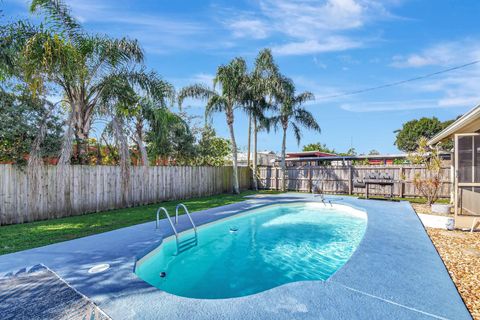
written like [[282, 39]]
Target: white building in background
[[264, 158]]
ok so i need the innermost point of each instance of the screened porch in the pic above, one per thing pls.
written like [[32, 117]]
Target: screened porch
[[467, 180]]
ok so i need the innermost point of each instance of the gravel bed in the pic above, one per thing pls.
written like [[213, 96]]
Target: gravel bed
[[460, 252], [425, 209]]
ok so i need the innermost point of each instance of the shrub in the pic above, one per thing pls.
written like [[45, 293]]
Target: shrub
[[429, 184]]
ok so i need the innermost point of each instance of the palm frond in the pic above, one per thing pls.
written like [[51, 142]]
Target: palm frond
[[152, 84], [304, 97], [59, 14], [216, 103], [274, 122], [196, 91], [306, 119], [13, 38], [231, 77], [267, 124], [283, 90], [265, 66], [117, 51], [296, 132]]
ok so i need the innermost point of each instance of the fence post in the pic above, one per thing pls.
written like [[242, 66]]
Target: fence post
[[310, 180], [400, 176], [350, 180], [276, 178]]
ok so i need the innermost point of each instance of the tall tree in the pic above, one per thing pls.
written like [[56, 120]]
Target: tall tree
[[59, 53], [318, 146], [292, 114], [407, 138], [169, 137], [212, 150], [257, 99], [22, 118], [231, 80], [350, 152], [151, 94]]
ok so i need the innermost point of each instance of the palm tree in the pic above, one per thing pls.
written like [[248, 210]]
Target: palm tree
[[58, 52], [257, 99], [291, 114], [123, 100], [231, 79], [152, 94]]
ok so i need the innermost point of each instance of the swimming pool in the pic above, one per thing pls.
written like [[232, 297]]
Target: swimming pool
[[257, 250]]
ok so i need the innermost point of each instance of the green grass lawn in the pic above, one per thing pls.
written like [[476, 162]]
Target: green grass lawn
[[36, 234]]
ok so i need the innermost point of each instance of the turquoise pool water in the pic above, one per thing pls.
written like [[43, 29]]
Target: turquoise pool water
[[271, 246]]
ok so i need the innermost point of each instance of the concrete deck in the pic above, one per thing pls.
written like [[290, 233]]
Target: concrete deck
[[395, 273]]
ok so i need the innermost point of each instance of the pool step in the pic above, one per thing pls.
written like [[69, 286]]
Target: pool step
[[186, 244]]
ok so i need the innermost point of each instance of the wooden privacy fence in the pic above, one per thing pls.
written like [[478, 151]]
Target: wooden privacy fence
[[339, 179], [84, 189]]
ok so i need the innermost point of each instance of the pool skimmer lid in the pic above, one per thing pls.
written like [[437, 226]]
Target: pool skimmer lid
[[99, 268]]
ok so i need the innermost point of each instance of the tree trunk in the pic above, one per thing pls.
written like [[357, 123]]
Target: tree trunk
[[67, 147], [230, 118], [122, 146], [63, 187], [254, 170], [249, 139], [35, 163], [141, 145], [143, 152], [143, 157], [99, 154], [81, 128], [284, 167], [82, 146]]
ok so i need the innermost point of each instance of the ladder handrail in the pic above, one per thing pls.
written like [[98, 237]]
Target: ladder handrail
[[169, 220], [188, 215]]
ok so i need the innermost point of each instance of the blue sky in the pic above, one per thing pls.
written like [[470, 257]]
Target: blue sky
[[326, 47]]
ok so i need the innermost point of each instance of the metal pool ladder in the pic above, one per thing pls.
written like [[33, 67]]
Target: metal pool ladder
[[186, 244], [322, 196]]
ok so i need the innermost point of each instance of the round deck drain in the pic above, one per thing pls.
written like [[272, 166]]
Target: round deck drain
[[99, 268]]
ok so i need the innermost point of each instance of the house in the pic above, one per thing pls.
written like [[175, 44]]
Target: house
[[316, 158], [264, 158], [305, 158], [465, 132], [309, 154]]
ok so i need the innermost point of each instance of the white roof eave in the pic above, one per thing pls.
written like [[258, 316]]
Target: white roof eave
[[461, 122]]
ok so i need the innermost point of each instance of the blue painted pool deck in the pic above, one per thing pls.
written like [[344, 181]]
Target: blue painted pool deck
[[395, 273]]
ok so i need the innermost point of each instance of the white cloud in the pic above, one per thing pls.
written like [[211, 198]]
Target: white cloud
[[319, 63], [204, 78], [441, 54], [249, 28], [158, 33], [303, 19], [459, 101], [401, 105], [455, 88], [382, 106], [309, 26], [316, 46]]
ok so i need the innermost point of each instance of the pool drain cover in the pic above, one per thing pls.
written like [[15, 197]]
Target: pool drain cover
[[99, 268]]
